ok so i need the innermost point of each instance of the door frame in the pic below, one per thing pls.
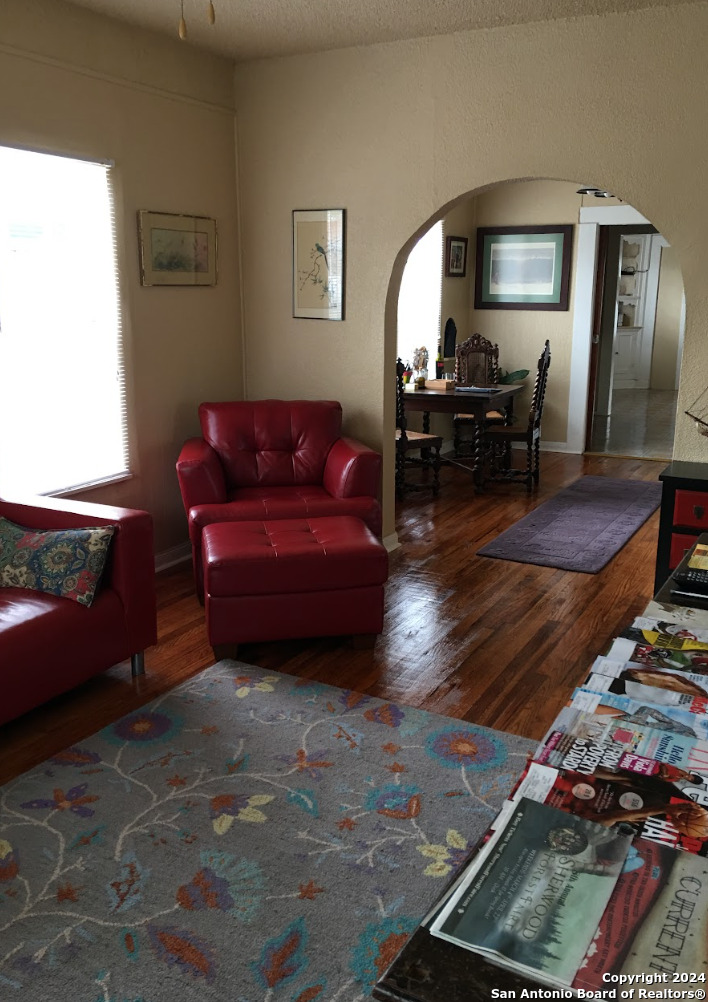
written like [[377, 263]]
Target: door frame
[[651, 295], [590, 219]]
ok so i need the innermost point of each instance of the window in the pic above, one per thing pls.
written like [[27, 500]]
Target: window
[[62, 403], [419, 298]]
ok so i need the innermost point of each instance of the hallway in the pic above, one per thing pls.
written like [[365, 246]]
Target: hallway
[[641, 424]]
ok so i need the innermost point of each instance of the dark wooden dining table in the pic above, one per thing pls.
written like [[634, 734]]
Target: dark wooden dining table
[[476, 403]]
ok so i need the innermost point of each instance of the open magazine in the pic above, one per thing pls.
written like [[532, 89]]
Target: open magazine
[[679, 719], [654, 655], [672, 812], [661, 686], [669, 612], [662, 633], [533, 900], [660, 745], [656, 920]]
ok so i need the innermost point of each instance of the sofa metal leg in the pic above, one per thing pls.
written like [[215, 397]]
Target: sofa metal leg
[[137, 664]]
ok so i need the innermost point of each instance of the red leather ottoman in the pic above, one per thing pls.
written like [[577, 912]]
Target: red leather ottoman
[[300, 577]]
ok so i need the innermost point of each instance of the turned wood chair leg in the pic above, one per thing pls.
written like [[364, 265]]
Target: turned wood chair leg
[[478, 473], [400, 475], [436, 470], [529, 468], [537, 461]]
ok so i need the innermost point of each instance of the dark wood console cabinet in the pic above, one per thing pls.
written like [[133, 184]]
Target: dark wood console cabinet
[[684, 514]]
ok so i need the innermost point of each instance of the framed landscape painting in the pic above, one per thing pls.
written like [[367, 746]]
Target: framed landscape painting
[[176, 249], [318, 263], [522, 267]]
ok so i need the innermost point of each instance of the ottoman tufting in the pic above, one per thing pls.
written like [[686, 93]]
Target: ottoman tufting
[[300, 577]]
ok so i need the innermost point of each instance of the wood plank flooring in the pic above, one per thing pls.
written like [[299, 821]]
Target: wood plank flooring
[[490, 641]]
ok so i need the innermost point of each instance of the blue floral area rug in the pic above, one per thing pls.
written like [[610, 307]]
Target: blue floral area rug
[[249, 836]]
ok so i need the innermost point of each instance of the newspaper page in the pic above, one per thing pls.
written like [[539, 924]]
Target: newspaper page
[[535, 904]]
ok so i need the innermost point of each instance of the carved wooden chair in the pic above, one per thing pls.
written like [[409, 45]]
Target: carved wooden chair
[[476, 364], [498, 438], [407, 442]]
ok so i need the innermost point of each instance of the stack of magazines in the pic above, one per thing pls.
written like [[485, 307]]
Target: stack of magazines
[[597, 866]]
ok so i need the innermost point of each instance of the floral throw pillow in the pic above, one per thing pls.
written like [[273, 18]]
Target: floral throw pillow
[[64, 562]]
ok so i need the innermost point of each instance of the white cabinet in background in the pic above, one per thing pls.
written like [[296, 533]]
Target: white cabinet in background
[[637, 285]]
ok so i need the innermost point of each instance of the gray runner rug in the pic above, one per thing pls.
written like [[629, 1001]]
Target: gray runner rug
[[582, 527]]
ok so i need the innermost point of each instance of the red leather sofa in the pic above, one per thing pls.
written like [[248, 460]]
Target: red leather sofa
[[274, 459], [50, 644]]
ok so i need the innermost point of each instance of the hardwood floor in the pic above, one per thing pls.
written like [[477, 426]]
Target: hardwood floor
[[493, 642]]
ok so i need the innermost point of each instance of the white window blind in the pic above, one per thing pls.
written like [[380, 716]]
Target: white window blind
[[419, 298], [62, 404]]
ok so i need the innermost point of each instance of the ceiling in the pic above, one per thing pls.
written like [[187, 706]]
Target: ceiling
[[250, 29]]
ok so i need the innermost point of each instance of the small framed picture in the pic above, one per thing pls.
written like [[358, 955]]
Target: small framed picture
[[523, 267], [318, 263], [176, 249], [456, 257]]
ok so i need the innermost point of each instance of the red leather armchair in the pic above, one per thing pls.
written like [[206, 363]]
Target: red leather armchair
[[49, 644], [274, 459]]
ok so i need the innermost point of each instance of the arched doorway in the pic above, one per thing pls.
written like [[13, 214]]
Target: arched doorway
[[521, 333]]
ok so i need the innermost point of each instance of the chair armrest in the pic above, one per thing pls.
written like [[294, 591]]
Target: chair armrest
[[130, 570], [200, 474], [352, 470]]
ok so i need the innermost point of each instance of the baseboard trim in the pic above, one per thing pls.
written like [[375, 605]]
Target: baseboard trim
[[170, 558], [549, 447], [545, 447], [559, 447], [391, 542]]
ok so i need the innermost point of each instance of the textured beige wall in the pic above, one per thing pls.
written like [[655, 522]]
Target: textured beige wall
[[173, 155], [666, 328], [65, 33], [521, 334], [460, 222], [397, 133]]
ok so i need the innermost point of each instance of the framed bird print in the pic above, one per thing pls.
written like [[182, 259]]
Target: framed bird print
[[318, 264]]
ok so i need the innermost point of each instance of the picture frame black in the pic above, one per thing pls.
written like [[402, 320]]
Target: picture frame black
[[455, 257], [523, 267]]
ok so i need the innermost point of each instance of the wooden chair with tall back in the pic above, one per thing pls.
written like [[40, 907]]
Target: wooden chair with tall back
[[407, 442], [498, 438], [476, 364]]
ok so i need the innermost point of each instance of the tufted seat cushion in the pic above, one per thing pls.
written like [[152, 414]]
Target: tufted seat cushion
[[271, 580], [254, 503]]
